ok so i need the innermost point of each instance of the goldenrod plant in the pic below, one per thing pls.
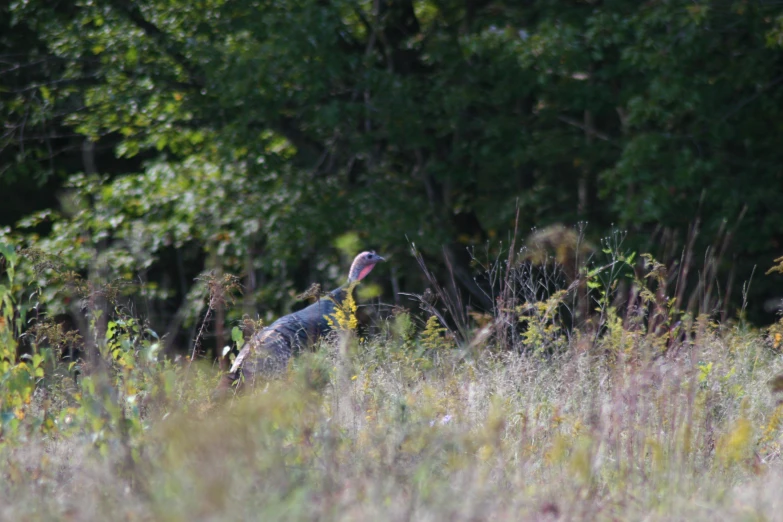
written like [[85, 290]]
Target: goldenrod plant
[[344, 316]]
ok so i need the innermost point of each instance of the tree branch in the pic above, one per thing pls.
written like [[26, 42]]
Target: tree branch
[[590, 131]]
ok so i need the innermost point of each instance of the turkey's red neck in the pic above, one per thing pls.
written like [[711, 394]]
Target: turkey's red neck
[[364, 271]]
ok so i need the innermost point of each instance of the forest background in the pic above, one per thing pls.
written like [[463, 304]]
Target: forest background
[[148, 141]]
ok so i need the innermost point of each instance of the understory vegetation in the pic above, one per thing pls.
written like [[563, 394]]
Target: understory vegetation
[[639, 412]]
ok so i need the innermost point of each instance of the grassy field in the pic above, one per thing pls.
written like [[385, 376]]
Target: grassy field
[[406, 425], [382, 433]]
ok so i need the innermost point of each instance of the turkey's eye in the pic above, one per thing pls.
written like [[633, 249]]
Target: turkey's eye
[[368, 256]]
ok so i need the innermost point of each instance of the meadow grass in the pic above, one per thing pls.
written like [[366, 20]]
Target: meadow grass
[[650, 416], [383, 430]]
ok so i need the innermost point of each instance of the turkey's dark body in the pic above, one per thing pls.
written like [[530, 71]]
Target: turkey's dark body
[[268, 351]]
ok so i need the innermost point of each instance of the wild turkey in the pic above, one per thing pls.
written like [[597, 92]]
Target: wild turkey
[[269, 350]]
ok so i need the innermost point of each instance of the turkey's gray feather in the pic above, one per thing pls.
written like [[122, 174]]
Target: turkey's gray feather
[[269, 350]]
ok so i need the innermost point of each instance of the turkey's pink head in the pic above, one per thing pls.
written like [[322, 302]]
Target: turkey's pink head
[[362, 265]]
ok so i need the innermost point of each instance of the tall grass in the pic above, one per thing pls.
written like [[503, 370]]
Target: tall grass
[[526, 416]]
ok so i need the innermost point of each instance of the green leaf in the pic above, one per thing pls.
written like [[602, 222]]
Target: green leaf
[[236, 336], [110, 329], [9, 253], [132, 56]]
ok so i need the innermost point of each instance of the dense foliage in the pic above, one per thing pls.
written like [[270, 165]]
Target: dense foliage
[[251, 136]]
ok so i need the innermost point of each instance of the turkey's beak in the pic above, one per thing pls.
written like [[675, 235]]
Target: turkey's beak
[[381, 258]]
